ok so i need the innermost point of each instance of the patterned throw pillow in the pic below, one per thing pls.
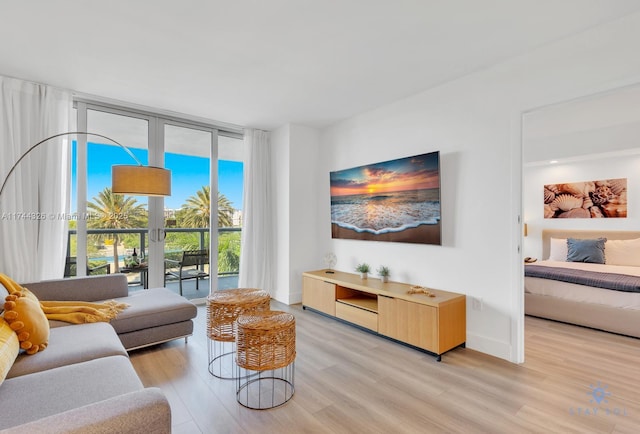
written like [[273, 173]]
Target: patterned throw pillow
[[9, 348], [25, 316]]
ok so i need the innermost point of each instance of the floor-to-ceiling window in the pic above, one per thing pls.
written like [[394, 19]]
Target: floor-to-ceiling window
[[137, 235]]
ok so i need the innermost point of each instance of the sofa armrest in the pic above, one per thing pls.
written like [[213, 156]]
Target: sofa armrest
[[91, 288], [142, 411]]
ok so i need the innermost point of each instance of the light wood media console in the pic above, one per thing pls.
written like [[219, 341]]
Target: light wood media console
[[431, 324]]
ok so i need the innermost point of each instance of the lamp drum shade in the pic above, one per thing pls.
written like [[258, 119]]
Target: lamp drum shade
[[140, 180]]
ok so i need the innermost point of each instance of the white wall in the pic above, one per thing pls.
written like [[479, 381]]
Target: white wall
[[295, 170], [304, 227], [475, 123], [280, 160]]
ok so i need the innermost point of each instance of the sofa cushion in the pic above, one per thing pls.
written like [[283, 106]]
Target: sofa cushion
[[26, 318], [142, 411], [41, 394], [155, 335], [9, 348], [152, 308], [72, 344], [90, 288]]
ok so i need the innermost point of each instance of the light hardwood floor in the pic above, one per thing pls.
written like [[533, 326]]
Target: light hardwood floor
[[349, 381]]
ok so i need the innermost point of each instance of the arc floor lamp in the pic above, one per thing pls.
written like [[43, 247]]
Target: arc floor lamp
[[137, 179]]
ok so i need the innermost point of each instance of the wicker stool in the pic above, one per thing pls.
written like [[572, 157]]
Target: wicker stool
[[223, 307], [265, 358]]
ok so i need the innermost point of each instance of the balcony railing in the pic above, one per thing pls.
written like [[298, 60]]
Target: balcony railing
[[199, 241]]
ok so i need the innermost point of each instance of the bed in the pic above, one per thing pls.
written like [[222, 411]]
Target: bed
[[587, 303]]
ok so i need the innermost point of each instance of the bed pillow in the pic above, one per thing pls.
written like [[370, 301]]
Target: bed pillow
[[558, 249], [591, 250], [622, 252]]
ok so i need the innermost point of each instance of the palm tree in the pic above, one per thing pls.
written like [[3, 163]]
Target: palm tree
[[114, 211], [196, 211], [225, 211], [229, 253]]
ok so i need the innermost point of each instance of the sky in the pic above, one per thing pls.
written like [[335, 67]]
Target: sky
[[410, 173], [188, 174]]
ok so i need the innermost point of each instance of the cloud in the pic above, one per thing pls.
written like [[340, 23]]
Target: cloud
[[347, 183]]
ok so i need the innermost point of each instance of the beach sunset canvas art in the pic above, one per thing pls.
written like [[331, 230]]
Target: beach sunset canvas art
[[397, 200]]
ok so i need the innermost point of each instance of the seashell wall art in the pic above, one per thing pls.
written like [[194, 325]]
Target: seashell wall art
[[591, 199]]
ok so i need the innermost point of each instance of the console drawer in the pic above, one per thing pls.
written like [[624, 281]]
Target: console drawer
[[356, 315]]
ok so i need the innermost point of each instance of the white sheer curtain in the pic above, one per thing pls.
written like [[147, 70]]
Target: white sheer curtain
[[257, 256], [33, 234]]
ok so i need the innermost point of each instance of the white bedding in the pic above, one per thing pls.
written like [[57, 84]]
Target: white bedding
[[582, 293]]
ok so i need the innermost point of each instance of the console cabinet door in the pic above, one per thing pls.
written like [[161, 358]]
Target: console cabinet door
[[319, 295], [413, 323], [387, 314]]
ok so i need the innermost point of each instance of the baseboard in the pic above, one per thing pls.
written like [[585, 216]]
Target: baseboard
[[489, 346], [295, 297], [288, 298]]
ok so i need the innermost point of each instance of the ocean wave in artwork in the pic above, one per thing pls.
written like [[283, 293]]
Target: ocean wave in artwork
[[384, 213], [384, 230]]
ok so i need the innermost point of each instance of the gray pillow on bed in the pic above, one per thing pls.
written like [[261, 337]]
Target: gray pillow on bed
[[579, 250]]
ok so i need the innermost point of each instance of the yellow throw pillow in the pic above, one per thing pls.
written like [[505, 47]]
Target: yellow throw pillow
[[9, 348], [28, 294], [25, 316]]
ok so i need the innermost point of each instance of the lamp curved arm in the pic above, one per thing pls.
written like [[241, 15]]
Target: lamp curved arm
[[70, 133]]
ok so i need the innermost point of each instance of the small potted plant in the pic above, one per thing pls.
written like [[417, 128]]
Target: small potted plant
[[383, 272], [363, 269]]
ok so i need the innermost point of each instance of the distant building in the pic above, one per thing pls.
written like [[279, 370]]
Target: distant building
[[237, 218], [170, 217]]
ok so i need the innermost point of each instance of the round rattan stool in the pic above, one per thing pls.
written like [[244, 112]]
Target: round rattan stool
[[265, 359], [223, 308]]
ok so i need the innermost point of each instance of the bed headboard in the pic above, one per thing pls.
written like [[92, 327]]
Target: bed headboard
[[547, 234]]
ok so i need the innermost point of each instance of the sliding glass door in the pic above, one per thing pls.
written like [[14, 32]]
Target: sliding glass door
[[113, 233], [191, 155], [204, 212]]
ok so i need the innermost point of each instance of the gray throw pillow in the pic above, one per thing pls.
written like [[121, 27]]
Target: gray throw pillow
[[586, 250]]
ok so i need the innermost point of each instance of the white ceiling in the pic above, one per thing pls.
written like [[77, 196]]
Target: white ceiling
[[590, 128], [265, 63]]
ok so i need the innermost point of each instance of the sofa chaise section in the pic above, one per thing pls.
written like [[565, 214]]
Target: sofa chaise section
[[153, 316]]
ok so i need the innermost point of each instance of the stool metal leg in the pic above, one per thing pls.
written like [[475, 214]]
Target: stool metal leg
[[222, 359], [262, 390]]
